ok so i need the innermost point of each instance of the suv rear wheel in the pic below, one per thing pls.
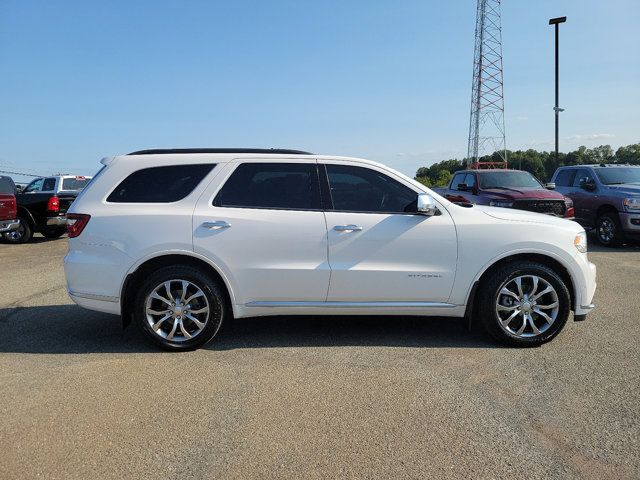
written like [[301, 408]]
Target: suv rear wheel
[[180, 308], [524, 304], [609, 230]]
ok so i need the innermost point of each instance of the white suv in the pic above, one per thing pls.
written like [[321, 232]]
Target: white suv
[[182, 240]]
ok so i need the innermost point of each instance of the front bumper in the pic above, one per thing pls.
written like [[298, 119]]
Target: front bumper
[[586, 288], [9, 225], [630, 222], [60, 221]]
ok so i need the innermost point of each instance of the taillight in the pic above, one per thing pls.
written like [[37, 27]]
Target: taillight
[[54, 204], [76, 223]]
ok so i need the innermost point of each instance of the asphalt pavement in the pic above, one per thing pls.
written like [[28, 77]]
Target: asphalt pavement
[[312, 398]]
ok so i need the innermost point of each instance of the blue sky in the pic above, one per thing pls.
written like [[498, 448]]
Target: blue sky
[[386, 80]]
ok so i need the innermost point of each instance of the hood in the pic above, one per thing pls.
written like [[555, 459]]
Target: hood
[[513, 215], [523, 193], [626, 188]]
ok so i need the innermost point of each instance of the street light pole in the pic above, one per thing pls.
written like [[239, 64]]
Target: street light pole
[[556, 22]]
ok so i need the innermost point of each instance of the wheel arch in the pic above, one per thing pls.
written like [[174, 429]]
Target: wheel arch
[[139, 272], [606, 207], [22, 211], [555, 264]]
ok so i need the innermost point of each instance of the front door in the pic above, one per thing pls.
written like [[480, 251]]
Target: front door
[[378, 250], [266, 230]]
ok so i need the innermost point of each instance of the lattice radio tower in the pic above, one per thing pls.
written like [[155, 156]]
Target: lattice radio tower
[[486, 125]]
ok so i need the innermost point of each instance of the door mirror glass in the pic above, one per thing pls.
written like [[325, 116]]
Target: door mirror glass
[[426, 205], [550, 186]]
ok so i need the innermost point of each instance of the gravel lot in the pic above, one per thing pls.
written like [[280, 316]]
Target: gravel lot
[[313, 398]]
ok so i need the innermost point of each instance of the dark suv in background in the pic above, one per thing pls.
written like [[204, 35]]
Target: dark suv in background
[[606, 197]]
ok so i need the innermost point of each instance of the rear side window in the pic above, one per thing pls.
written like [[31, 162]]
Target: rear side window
[[290, 186], [7, 186], [160, 184], [565, 178], [49, 185]]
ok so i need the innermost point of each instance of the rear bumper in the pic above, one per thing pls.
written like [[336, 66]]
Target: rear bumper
[[9, 225], [59, 221]]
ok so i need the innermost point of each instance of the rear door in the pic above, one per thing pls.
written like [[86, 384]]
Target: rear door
[[582, 198], [263, 225], [378, 250]]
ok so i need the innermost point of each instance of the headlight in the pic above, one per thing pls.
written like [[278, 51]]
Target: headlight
[[498, 203], [580, 242], [632, 203]]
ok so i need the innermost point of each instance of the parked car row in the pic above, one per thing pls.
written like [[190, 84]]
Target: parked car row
[[605, 197], [40, 207]]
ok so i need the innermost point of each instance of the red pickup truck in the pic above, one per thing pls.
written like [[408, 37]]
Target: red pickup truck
[[8, 205], [506, 188]]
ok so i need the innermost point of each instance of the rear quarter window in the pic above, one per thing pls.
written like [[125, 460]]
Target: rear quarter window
[[160, 184]]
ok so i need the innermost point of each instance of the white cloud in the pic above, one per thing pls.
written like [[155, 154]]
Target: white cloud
[[592, 136]]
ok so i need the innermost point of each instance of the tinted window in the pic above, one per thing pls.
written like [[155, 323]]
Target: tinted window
[[565, 178], [160, 184], [458, 178], [75, 184], [291, 186], [49, 184], [359, 189], [582, 173], [34, 186], [7, 186]]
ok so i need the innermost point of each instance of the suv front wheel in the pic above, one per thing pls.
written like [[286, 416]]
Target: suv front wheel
[[180, 308], [523, 304]]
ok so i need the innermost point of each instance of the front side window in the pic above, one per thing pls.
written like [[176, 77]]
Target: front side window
[[34, 186], [289, 186], [160, 184], [565, 177], [49, 185], [360, 189], [470, 180], [582, 176], [458, 178]]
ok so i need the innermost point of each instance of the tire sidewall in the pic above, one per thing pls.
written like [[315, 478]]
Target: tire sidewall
[[617, 237], [490, 318], [211, 290], [25, 226]]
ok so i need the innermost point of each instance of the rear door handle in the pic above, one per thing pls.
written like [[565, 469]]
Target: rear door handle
[[217, 225], [347, 228]]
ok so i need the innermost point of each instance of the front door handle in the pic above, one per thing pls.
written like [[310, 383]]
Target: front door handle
[[217, 225], [347, 228]]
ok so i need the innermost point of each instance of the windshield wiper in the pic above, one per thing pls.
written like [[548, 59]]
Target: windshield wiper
[[504, 188]]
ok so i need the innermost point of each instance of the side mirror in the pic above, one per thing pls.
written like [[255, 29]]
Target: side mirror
[[550, 186], [426, 205], [587, 184]]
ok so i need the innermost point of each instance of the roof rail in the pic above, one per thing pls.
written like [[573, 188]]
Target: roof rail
[[162, 151]]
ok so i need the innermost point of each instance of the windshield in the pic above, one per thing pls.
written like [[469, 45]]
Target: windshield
[[499, 179], [618, 175], [77, 183]]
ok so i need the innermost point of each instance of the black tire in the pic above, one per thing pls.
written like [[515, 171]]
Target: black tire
[[609, 230], [23, 234], [489, 294], [54, 232], [215, 298]]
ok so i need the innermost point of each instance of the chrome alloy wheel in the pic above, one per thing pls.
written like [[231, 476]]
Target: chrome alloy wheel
[[17, 234], [177, 310], [527, 306], [606, 230]]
